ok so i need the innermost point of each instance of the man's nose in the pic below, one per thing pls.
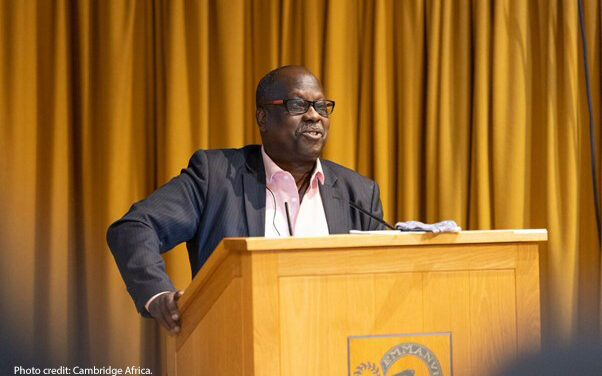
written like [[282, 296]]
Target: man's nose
[[311, 115]]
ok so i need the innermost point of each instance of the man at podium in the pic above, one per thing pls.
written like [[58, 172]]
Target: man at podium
[[279, 188]]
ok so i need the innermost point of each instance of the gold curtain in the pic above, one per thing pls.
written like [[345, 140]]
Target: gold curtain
[[466, 110]]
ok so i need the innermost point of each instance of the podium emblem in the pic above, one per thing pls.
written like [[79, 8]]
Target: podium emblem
[[425, 354]]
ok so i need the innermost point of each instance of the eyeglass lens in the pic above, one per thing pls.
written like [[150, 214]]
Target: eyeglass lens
[[300, 106]]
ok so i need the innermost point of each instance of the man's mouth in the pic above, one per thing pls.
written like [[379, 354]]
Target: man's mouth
[[314, 134]]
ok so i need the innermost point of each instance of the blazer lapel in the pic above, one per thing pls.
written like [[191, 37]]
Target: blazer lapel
[[254, 193], [335, 208]]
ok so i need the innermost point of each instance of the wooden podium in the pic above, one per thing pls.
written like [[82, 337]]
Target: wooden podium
[[362, 305]]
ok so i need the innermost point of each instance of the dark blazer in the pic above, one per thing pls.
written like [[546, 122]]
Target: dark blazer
[[220, 194]]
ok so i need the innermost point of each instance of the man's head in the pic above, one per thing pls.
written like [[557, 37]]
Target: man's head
[[291, 135]]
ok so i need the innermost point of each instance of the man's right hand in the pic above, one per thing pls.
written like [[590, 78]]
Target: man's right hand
[[164, 309]]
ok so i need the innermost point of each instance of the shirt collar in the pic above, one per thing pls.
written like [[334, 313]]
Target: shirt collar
[[272, 170]]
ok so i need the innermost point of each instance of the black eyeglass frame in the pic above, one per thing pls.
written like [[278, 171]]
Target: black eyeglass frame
[[306, 105]]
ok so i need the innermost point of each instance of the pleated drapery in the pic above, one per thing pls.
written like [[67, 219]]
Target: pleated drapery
[[466, 110]]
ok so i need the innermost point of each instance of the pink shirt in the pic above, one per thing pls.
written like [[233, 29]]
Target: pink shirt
[[307, 217]]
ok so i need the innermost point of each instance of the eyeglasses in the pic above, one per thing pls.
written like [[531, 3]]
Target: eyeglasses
[[298, 106]]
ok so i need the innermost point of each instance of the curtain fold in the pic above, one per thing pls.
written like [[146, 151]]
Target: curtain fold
[[466, 110]]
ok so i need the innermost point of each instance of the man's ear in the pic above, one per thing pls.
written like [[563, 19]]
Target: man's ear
[[261, 117]]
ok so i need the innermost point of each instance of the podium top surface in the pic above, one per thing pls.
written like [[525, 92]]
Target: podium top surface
[[384, 239]]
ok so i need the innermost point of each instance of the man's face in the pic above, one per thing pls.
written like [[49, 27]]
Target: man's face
[[294, 139]]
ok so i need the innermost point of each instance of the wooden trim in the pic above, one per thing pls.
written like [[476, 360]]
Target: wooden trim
[[202, 277], [247, 305], [400, 259], [527, 299], [266, 314], [170, 353], [388, 240], [203, 297]]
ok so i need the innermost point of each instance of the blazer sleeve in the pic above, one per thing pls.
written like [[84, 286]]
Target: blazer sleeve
[[376, 207], [167, 217]]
